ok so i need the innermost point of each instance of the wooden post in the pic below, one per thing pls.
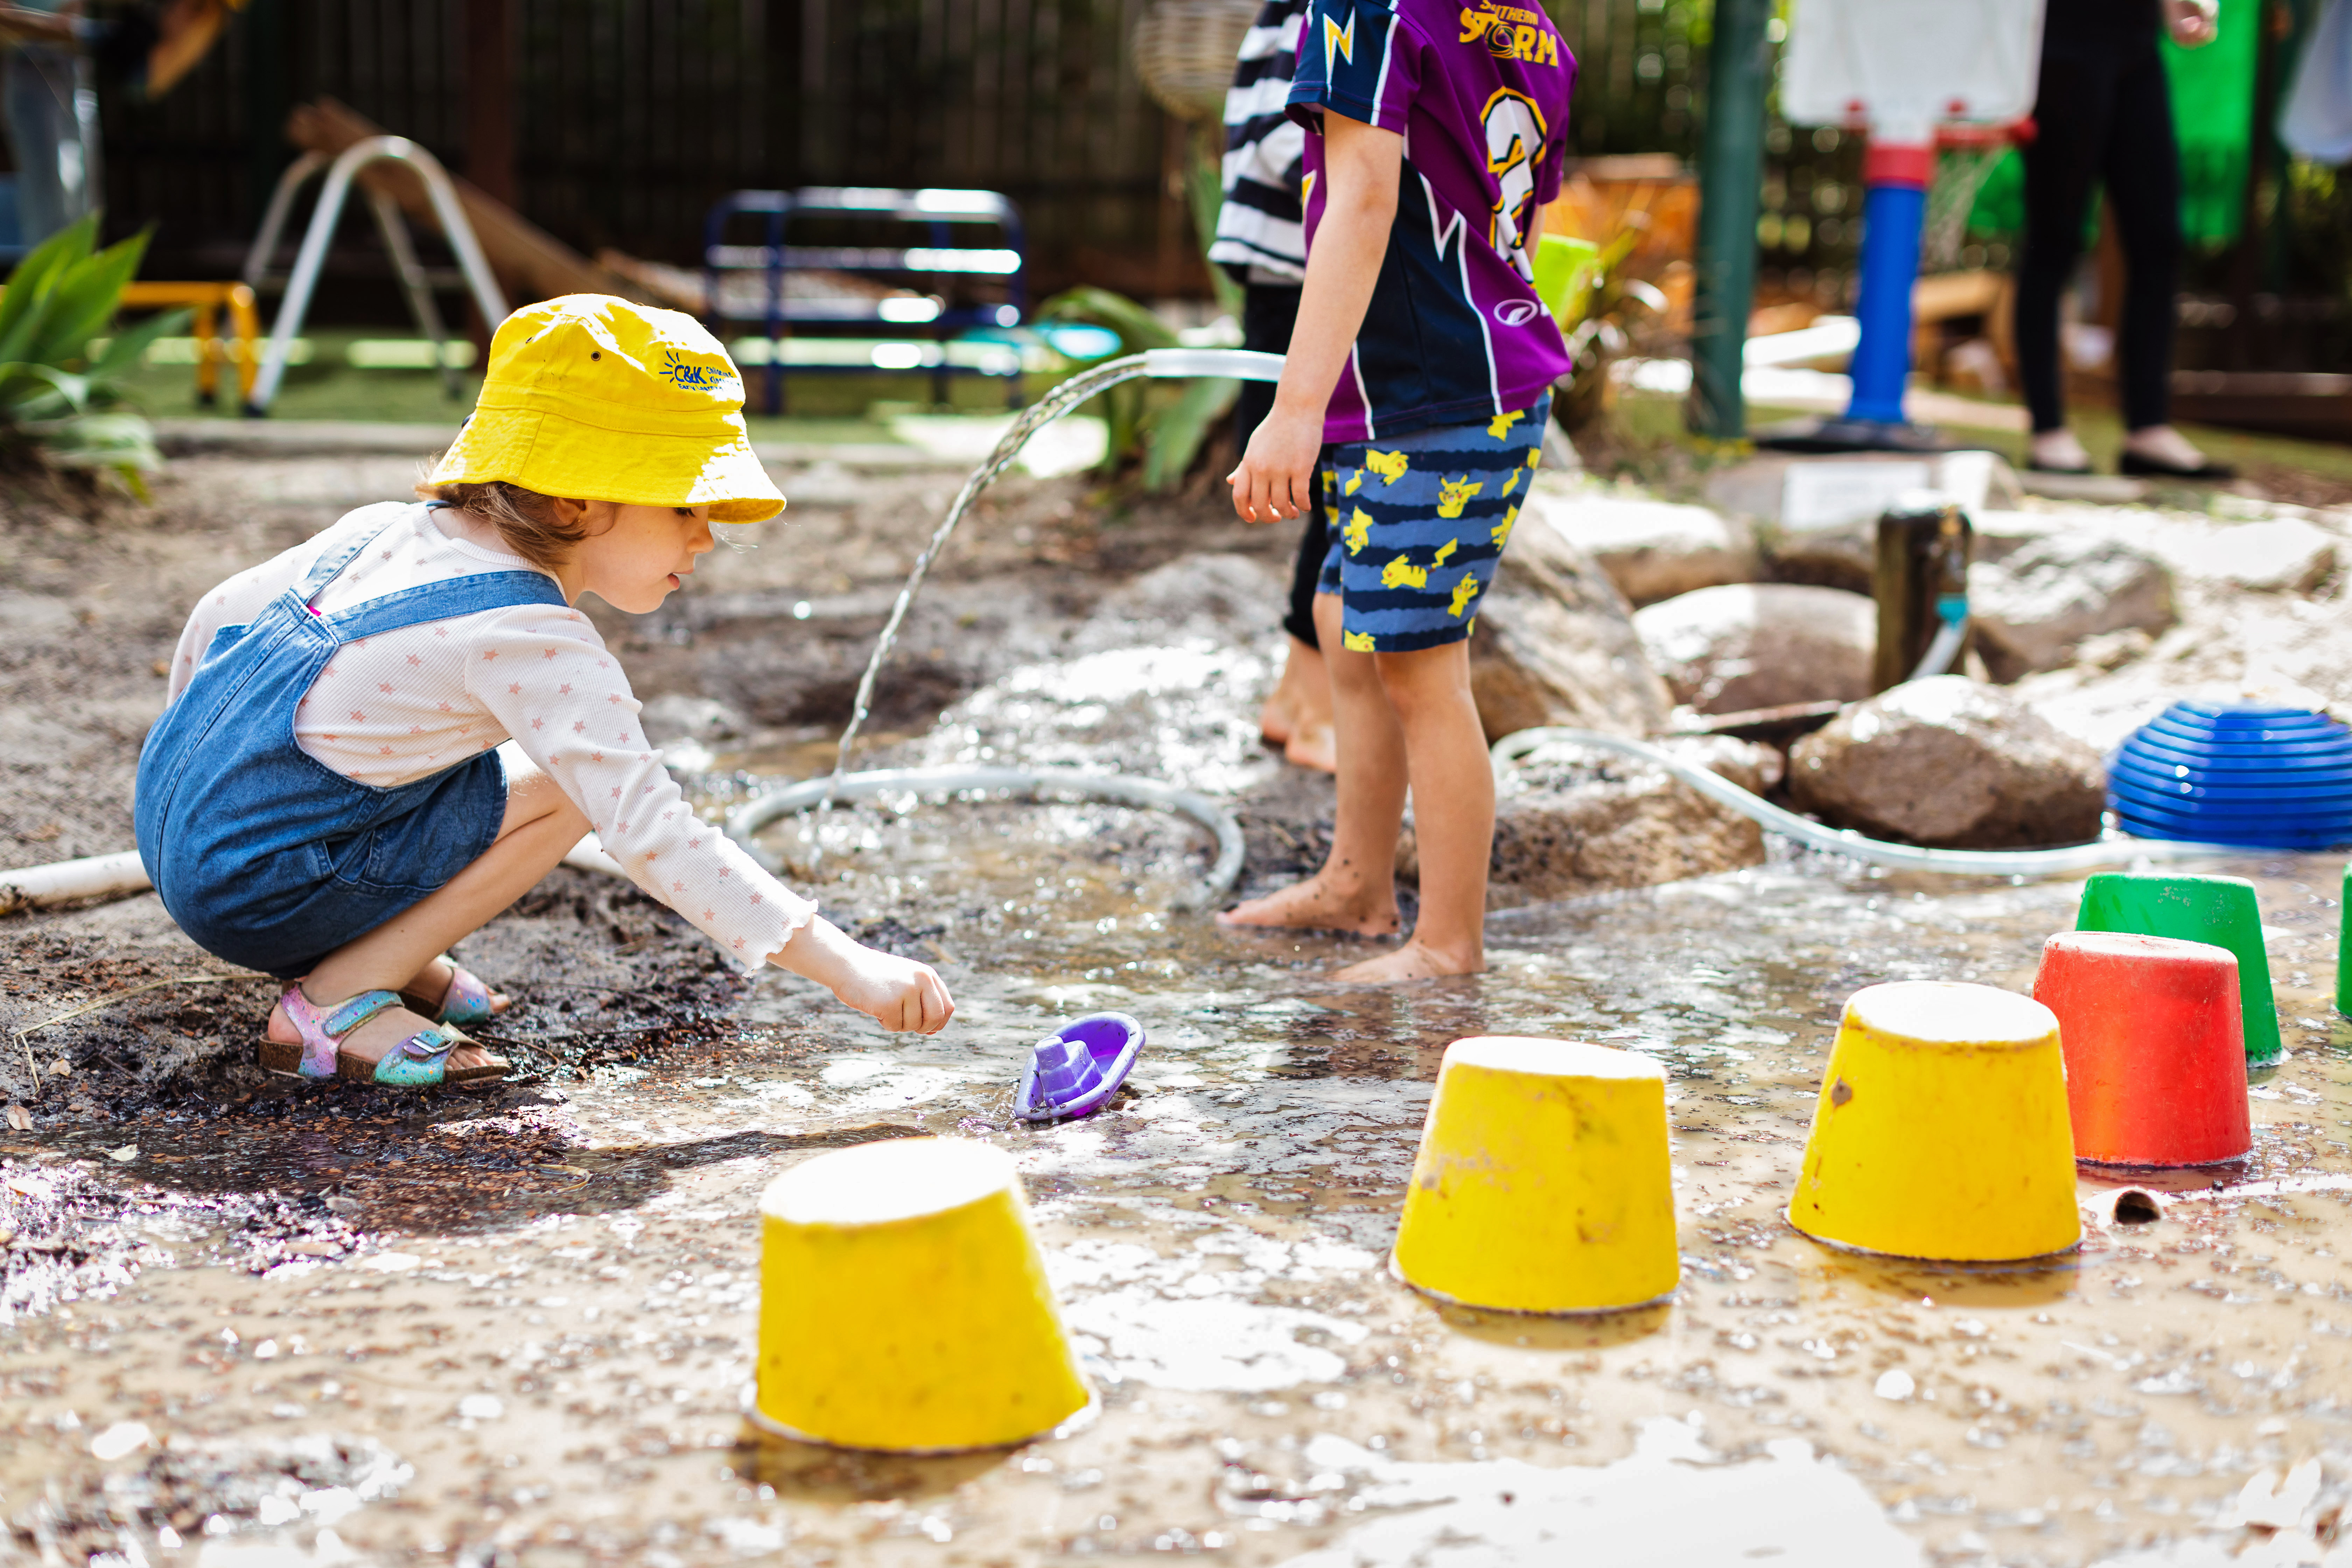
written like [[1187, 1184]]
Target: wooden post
[[490, 98], [1922, 569], [489, 124]]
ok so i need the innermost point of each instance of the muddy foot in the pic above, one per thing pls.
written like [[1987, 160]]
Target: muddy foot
[[1309, 906], [1411, 961]]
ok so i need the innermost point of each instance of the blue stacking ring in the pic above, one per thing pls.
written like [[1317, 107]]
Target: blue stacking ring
[[2268, 778]]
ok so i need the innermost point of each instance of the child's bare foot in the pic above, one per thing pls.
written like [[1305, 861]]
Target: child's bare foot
[[379, 1034], [1314, 745], [1275, 723], [1315, 905], [1411, 961]]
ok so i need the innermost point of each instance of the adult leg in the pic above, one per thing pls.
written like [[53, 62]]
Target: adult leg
[[1453, 817], [2142, 170], [2070, 119], [1356, 890], [538, 829]]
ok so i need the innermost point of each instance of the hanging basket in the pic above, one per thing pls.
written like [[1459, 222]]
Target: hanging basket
[[1185, 51]]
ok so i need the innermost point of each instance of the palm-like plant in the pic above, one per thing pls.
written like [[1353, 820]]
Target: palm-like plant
[[61, 390]]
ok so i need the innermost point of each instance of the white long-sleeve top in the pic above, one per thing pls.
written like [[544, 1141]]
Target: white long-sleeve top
[[405, 704]]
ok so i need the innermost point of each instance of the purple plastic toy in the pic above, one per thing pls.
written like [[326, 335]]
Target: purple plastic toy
[[1077, 1066]]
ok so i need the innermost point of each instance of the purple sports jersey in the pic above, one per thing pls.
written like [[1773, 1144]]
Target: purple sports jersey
[[1454, 332]]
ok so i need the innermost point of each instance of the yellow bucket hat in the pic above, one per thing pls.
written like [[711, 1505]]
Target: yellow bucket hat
[[596, 398]]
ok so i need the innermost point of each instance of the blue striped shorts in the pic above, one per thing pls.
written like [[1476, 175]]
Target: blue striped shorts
[[1418, 523]]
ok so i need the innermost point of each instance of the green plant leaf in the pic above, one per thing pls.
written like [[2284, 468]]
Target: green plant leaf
[[1137, 327], [118, 440], [84, 301], [26, 390], [24, 304], [123, 354], [1176, 432]]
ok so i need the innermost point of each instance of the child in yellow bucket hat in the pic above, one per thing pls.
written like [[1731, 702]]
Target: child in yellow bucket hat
[[382, 737]]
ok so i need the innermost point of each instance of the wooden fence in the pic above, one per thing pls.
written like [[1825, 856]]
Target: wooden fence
[[628, 117]]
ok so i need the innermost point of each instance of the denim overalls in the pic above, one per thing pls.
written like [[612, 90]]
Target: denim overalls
[[265, 856]]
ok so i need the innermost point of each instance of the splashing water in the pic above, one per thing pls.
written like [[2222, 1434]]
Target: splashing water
[[1062, 399]]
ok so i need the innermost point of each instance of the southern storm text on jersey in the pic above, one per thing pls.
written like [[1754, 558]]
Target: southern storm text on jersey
[[1511, 33]]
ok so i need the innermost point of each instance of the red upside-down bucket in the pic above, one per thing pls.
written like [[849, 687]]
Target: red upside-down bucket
[[2156, 1058]]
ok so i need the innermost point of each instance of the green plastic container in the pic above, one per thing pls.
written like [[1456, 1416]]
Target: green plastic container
[[2219, 910], [1564, 267], [2344, 947]]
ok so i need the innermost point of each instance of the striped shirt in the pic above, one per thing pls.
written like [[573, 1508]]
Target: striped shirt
[[1260, 229]]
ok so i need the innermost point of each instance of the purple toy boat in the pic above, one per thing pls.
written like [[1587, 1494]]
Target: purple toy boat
[[1077, 1066]]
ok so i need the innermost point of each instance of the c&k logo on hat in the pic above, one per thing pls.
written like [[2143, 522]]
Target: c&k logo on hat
[[680, 373]]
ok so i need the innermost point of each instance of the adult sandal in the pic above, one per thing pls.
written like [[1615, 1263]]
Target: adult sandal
[[419, 1061], [467, 1001]]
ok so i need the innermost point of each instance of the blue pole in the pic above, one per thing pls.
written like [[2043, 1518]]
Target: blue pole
[[1892, 213]]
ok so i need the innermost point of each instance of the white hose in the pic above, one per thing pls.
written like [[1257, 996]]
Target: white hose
[[1942, 651], [749, 817], [111, 875], [2116, 851]]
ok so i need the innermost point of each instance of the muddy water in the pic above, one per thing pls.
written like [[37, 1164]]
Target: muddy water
[[547, 1370]]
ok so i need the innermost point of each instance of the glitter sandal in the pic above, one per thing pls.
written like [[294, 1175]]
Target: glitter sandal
[[467, 1001], [419, 1061]]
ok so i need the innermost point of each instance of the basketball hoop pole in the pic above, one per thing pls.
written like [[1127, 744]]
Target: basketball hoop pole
[[1895, 177]]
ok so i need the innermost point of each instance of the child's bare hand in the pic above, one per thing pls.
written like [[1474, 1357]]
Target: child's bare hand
[[1275, 479], [898, 993]]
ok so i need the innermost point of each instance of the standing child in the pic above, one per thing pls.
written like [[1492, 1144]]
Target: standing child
[[1412, 408], [385, 736]]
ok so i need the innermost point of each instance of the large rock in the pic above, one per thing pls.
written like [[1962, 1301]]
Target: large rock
[[2282, 555], [1948, 762], [2035, 606], [1653, 549], [1586, 822], [1730, 649], [1554, 642]]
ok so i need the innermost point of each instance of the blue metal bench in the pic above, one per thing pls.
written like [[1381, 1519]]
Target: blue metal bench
[[938, 211]]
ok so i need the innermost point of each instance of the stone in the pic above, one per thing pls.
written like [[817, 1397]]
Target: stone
[[2035, 606], [1763, 644], [1653, 549], [1554, 640], [2282, 555], [1950, 763], [1573, 820]]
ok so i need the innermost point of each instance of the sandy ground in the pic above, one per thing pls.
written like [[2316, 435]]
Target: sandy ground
[[248, 1323]]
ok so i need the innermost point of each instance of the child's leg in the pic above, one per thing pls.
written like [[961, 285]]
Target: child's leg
[[1453, 813], [1356, 889], [540, 828]]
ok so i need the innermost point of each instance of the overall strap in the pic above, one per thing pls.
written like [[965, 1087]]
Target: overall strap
[[440, 601], [330, 565]]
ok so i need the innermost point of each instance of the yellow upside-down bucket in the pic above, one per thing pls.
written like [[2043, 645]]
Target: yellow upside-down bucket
[[1542, 1184], [903, 1303], [1941, 1130]]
